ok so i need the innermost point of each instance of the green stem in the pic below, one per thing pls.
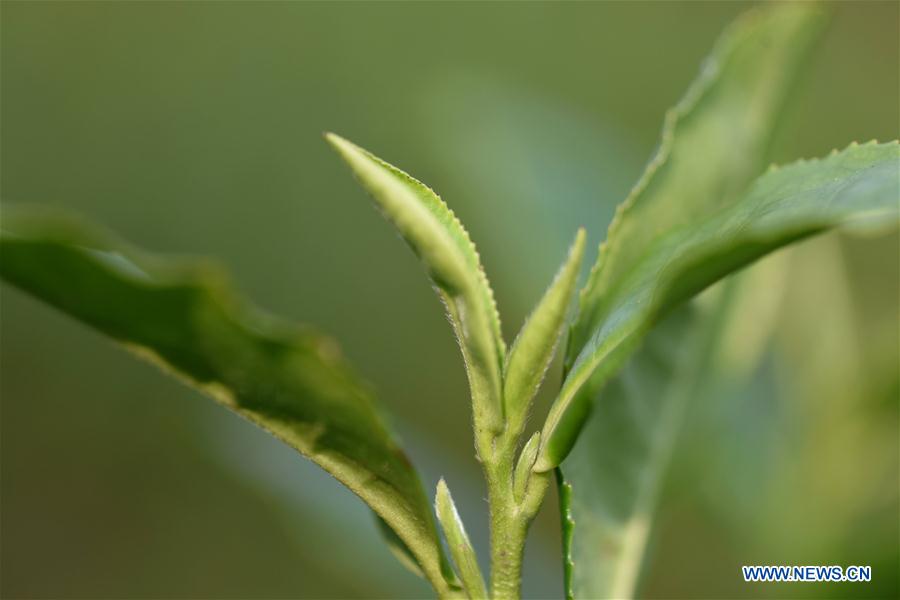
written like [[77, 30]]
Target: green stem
[[508, 543], [509, 519]]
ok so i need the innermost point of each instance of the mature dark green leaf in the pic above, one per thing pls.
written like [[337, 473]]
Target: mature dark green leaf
[[711, 146], [443, 245], [713, 142], [288, 380], [857, 187]]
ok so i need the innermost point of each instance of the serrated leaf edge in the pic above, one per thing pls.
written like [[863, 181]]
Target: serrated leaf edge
[[710, 71]]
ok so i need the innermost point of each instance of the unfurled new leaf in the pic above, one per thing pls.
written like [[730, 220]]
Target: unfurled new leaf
[[535, 345], [443, 245], [461, 549], [288, 380], [857, 187]]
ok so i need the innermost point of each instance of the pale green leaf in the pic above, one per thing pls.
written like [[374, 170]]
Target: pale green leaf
[[856, 187], [443, 245], [458, 541], [535, 345], [291, 381]]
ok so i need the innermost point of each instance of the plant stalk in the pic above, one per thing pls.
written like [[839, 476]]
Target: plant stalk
[[509, 518]]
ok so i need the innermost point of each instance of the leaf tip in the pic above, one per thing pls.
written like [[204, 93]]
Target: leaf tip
[[344, 147], [442, 490], [443, 502], [578, 244]]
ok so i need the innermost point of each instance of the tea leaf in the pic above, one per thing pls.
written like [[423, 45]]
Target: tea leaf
[[443, 245], [857, 187], [291, 381], [711, 146], [610, 481], [535, 345], [713, 142], [460, 547]]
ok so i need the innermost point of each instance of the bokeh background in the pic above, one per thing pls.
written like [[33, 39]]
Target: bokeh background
[[195, 128]]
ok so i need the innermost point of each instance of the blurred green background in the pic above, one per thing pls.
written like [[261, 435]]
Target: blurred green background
[[196, 128]]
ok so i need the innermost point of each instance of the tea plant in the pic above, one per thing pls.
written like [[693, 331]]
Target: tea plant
[[701, 211]]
